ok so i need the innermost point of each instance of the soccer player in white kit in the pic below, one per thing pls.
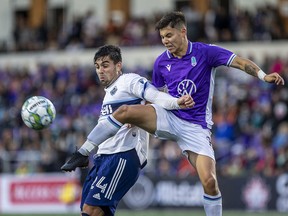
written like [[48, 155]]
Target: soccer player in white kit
[[119, 159]]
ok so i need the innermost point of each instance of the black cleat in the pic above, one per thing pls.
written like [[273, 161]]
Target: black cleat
[[77, 160]]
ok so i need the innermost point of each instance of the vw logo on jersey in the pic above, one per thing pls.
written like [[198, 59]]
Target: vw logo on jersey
[[186, 87], [193, 61]]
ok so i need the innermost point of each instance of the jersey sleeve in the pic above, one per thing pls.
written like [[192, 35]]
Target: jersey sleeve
[[217, 56], [141, 87], [136, 85], [157, 78]]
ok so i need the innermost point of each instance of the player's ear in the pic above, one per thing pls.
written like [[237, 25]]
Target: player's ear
[[184, 30], [119, 66]]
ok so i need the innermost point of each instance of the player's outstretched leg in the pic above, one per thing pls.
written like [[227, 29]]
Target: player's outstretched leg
[[77, 160]]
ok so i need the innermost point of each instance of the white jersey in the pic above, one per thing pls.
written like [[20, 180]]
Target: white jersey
[[127, 89]]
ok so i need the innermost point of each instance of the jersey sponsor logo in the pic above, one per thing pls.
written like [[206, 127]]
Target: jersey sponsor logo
[[193, 61], [106, 110], [185, 87], [114, 90], [168, 67]]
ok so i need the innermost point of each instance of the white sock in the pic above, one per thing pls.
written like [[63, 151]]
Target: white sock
[[101, 132], [212, 205]]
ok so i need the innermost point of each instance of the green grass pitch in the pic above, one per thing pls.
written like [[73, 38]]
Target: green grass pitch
[[166, 213]]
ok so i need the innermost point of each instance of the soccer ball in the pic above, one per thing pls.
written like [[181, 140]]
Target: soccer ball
[[38, 112]]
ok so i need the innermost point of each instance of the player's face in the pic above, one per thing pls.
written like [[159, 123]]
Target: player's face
[[174, 40], [107, 71]]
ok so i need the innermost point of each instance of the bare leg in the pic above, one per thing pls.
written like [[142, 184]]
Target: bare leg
[[205, 167], [143, 116], [93, 210]]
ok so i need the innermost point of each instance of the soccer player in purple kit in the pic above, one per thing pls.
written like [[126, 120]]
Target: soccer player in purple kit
[[185, 68]]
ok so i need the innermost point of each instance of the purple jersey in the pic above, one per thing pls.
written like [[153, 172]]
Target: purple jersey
[[193, 74]]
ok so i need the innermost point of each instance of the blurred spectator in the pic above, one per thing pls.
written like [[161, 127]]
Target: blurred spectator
[[23, 34], [251, 131], [209, 28], [85, 31], [194, 21], [222, 24]]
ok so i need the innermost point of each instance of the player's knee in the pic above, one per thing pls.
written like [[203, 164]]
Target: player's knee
[[122, 113], [210, 186]]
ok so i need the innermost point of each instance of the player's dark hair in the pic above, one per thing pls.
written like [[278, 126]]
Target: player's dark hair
[[173, 19], [113, 52]]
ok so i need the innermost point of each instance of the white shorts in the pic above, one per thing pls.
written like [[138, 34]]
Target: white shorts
[[189, 136]]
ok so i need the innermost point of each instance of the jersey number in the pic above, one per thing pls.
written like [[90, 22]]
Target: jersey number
[[99, 184]]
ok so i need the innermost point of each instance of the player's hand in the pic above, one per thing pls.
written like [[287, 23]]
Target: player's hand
[[274, 78], [186, 101]]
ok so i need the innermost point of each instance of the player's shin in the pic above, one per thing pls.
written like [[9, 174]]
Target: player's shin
[[212, 205], [101, 132]]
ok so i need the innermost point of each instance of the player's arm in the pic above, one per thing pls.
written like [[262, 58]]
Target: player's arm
[[252, 69], [142, 88], [153, 95]]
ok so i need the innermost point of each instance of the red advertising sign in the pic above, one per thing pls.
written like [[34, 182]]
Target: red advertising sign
[[39, 193], [43, 192]]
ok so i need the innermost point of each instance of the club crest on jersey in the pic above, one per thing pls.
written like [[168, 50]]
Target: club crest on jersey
[[193, 61], [113, 91]]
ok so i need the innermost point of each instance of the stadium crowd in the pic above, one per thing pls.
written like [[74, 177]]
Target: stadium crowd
[[250, 130], [250, 134], [87, 32]]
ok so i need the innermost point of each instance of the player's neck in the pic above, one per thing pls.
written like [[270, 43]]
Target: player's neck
[[113, 80]]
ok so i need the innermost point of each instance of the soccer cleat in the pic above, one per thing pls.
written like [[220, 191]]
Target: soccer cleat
[[77, 160]]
